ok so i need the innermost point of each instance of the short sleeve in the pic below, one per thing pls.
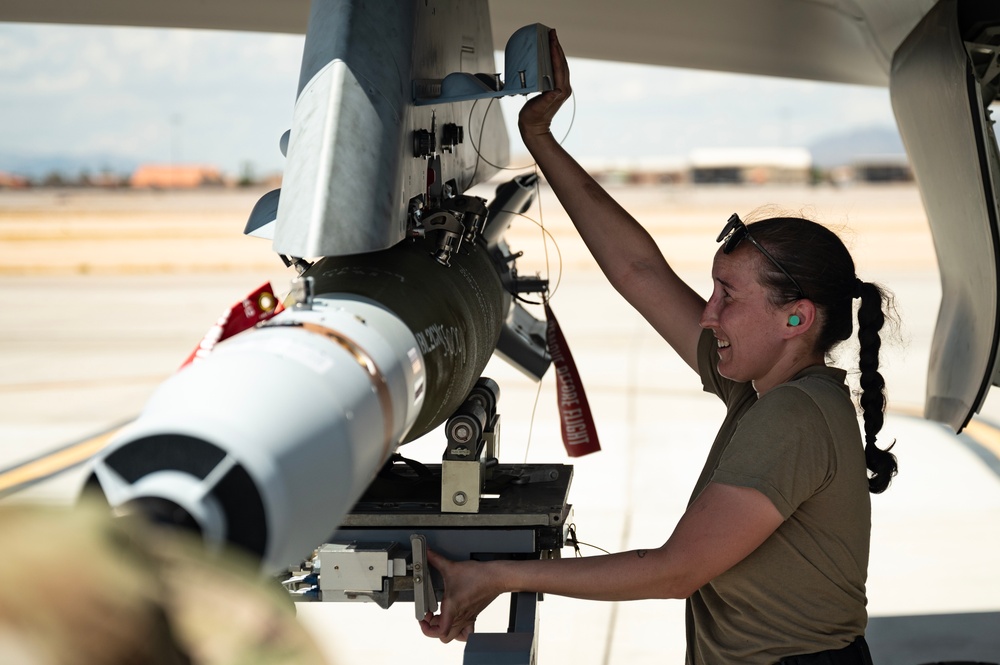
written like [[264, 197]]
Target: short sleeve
[[782, 447]]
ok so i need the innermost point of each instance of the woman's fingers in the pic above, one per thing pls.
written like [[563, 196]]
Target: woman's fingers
[[432, 626], [537, 114], [437, 560], [463, 636], [457, 618], [560, 66], [441, 627]]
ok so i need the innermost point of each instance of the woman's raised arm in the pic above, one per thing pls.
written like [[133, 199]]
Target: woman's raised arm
[[624, 250]]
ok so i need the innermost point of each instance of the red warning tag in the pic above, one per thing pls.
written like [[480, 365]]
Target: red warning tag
[[259, 306], [578, 431]]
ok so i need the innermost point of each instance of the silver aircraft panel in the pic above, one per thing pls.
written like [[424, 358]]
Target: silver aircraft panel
[[849, 41], [939, 110]]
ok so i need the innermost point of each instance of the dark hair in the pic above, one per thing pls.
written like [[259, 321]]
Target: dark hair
[[818, 260]]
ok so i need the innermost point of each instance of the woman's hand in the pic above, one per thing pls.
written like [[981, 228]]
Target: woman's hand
[[536, 115], [468, 589]]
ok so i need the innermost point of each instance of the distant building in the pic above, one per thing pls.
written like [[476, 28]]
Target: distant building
[[11, 181], [638, 170], [882, 168], [107, 180], [164, 176], [751, 165]]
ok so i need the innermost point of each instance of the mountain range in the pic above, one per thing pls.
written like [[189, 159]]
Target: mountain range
[[844, 148]]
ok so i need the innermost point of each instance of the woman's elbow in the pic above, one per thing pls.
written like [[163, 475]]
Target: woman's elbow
[[676, 580], [676, 590], [633, 276], [685, 590]]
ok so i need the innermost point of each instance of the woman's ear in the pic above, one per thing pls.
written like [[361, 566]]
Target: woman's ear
[[801, 315]]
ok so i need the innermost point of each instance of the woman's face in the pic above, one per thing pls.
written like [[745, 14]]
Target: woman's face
[[747, 327]]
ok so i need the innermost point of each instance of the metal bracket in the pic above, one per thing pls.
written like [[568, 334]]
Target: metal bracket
[[424, 600], [528, 63]]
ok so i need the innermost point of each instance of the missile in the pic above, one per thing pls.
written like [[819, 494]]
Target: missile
[[268, 441]]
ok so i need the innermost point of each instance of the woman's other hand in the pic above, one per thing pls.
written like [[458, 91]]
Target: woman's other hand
[[536, 115], [468, 588]]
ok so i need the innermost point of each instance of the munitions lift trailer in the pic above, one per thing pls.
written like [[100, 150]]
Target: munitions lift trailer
[[467, 507]]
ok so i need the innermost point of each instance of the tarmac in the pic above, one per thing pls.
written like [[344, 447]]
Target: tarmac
[[108, 293]]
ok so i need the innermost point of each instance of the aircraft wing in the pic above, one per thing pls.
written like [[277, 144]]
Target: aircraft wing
[[286, 16], [845, 41]]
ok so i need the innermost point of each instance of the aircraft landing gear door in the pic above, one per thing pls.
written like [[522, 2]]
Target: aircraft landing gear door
[[944, 77]]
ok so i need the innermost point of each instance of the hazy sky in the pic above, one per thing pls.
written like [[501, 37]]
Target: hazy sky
[[225, 99]]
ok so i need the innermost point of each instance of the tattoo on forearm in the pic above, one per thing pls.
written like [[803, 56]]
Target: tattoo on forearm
[[640, 553]]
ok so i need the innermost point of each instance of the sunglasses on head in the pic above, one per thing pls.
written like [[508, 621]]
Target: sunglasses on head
[[733, 234]]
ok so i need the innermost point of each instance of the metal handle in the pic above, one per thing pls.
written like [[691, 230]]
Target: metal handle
[[424, 600]]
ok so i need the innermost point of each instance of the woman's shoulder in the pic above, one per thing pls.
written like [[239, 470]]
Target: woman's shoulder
[[819, 383], [788, 400], [813, 392], [818, 392]]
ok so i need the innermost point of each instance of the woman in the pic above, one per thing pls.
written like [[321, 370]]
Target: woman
[[772, 552]]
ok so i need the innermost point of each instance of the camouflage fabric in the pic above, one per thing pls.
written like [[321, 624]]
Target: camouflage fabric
[[77, 586]]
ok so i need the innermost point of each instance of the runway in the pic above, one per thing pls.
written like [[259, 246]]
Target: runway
[[108, 293]]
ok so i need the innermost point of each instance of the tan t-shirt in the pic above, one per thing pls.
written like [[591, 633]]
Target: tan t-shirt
[[803, 589]]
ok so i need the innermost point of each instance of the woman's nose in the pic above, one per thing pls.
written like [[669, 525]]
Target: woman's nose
[[709, 315]]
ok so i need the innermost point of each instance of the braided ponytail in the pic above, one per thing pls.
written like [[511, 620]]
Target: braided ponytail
[[871, 318], [824, 269]]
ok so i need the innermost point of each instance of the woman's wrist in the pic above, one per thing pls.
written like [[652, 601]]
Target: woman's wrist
[[531, 131], [539, 142], [503, 574]]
